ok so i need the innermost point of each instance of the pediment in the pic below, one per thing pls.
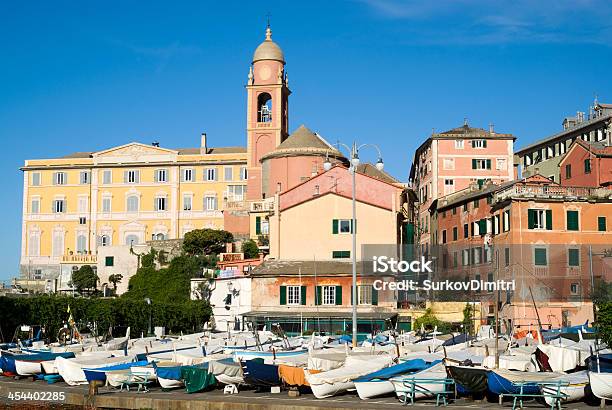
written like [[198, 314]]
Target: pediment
[[134, 152]]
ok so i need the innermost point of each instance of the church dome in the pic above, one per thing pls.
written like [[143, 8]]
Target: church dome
[[268, 50]]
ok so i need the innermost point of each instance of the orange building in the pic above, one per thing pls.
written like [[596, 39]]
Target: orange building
[[587, 164]]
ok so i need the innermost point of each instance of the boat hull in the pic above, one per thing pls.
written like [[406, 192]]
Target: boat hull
[[368, 390], [27, 368], [170, 383], [601, 385], [325, 390]]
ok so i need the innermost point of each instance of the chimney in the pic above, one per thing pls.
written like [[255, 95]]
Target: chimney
[[203, 146], [491, 128], [155, 144]]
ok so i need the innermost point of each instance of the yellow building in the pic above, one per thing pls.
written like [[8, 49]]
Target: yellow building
[[121, 196]]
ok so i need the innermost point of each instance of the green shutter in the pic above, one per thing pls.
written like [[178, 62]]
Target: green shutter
[[573, 257], [473, 223], [303, 295], [587, 166], [484, 143], [601, 224], [488, 164], [473, 163], [258, 225], [482, 226], [530, 218], [335, 226], [283, 295], [549, 219], [374, 296], [338, 295], [572, 221], [540, 256], [318, 295]]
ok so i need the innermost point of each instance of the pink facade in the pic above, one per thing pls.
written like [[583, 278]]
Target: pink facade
[[586, 165], [283, 173]]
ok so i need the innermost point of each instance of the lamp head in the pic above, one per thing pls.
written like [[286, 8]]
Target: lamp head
[[380, 165]]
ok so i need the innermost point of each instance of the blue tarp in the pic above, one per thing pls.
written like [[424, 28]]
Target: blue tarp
[[259, 374], [605, 363], [409, 366], [170, 372], [462, 338], [98, 373], [7, 363]]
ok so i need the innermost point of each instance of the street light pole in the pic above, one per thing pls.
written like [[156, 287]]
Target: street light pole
[[354, 162]]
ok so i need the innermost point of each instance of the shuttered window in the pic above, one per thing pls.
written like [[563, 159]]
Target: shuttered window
[[258, 225], [601, 224], [587, 166], [572, 221], [540, 258], [573, 257], [341, 254]]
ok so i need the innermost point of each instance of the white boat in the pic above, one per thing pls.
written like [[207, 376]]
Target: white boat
[[72, 372], [601, 385], [574, 391], [332, 382], [226, 371], [49, 367], [378, 383], [28, 368], [242, 355], [116, 378], [403, 389]]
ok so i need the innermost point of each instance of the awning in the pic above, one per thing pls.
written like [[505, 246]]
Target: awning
[[319, 315]]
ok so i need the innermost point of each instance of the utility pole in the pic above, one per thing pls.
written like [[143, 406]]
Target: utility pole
[[496, 310]]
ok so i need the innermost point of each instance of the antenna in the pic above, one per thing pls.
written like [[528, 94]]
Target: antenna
[[268, 15]]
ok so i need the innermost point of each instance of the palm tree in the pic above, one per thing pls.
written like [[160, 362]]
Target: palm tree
[[114, 279]]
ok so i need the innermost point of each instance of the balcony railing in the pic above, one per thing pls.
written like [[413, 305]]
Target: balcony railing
[[80, 258], [265, 205], [550, 191]]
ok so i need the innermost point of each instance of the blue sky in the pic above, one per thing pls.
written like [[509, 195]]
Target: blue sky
[[87, 76]]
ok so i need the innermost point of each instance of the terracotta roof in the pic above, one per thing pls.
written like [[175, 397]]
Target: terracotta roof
[[303, 141], [371, 171], [465, 131], [217, 150], [295, 268], [597, 148], [78, 155]]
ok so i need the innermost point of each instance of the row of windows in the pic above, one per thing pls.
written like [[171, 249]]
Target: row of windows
[[543, 219], [587, 168], [493, 225], [326, 295], [500, 164], [132, 176], [560, 148], [465, 206]]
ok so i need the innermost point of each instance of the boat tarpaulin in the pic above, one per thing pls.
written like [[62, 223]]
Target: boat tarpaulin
[[99, 373], [169, 372], [197, 378], [257, 373], [409, 366], [561, 359], [225, 366], [292, 376], [472, 379]]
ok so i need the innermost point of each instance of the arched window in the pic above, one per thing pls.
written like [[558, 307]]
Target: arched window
[[159, 237], [105, 240], [132, 240], [81, 243], [264, 107], [132, 203]]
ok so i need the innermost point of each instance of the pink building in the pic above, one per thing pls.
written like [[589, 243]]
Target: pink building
[[449, 161], [587, 164]]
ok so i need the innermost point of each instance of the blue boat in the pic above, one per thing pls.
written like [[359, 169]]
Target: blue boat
[[258, 374], [100, 372], [498, 384], [7, 361]]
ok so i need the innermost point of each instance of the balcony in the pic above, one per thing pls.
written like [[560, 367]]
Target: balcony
[[551, 192], [265, 205], [80, 258]]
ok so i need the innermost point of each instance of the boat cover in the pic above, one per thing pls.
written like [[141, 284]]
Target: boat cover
[[472, 379], [197, 378], [561, 359], [99, 373], [405, 367], [293, 376], [257, 373], [169, 372], [7, 362], [353, 368], [225, 366]]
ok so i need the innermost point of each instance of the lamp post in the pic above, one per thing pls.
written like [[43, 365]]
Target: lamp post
[[149, 303], [354, 161]]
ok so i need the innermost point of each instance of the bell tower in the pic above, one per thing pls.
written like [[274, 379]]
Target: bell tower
[[267, 109]]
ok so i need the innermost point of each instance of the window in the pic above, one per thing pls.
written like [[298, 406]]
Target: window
[[466, 232], [449, 186], [454, 210], [210, 174], [107, 177], [539, 219], [458, 144], [572, 221], [476, 203], [35, 178], [341, 226], [35, 206], [465, 257], [236, 192], [158, 237], [477, 255], [228, 174], [506, 221], [465, 207], [187, 175], [568, 171], [105, 240], [160, 203], [444, 236], [573, 257], [132, 240], [187, 202], [448, 163], [500, 164], [506, 256], [131, 176], [82, 220], [601, 224], [587, 166], [81, 243], [454, 259], [455, 233], [365, 293], [161, 175], [575, 288], [539, 257], [84, 177], [59, 206], [210, 203], [481, 163], [495, 224], [243, 173], [133, 203], [60, 178], [109, 261], [293, 295], [34, 244], [479, 143], [341, 254], [329, 295], [83, 204], [106, 204]]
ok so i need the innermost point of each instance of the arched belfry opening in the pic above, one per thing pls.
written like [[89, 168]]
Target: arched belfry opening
[[264, 107]]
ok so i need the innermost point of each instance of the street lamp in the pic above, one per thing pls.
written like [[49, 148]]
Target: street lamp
[[354, 161], [149, 303]]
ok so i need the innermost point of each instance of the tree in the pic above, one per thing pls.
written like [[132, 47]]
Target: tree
[[604, 321], [250, 249], [206, 241], [468, 322], [429, 321], [114, 279], [84, 278]]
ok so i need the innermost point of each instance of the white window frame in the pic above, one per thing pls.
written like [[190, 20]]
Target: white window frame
[[501, 164], [59, 206], [539, 221], [35, 209], [215, 203], [80, 236], [107, 177], [346, 223], [127, 204], [161, 203], [229, 170], [448, 163], [478, 144], [60, 178], [365, 294], [187, 202], [506, 221], [481, 164], [82, 204], [84, 177], [243, 173], [35, 179], [187, 174], [328, 295], [294, 295], [107, 204], [449, 186], [459, 144], [210, 174], [161, 175], [105, 240], [133, 176]]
